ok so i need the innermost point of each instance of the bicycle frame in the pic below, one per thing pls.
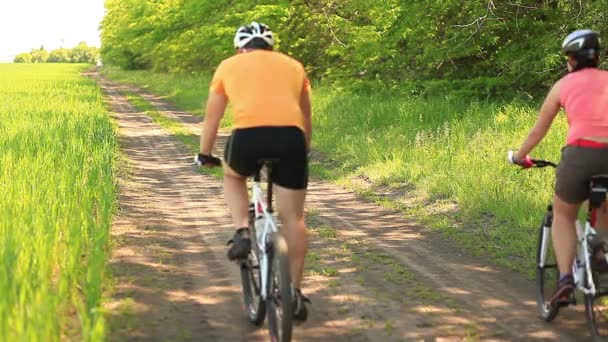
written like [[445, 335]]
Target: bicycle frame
[[582, 263], [581, 266], [584, 236], [262, 211]]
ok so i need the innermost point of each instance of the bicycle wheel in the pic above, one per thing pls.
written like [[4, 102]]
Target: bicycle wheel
[[596, 312], [250, 276], [279, 302], [548, 274], [251, 281]]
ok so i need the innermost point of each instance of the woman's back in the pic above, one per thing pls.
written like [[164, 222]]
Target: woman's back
[[584, 96]]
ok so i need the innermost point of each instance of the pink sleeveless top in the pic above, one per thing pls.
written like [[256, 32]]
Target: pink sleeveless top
[[584, 96]]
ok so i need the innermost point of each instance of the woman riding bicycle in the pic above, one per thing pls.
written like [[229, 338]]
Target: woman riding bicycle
[[270, 96], [583, 93]]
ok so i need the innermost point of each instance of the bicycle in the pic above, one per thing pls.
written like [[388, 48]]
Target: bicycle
[[265, 274], [586, 279]]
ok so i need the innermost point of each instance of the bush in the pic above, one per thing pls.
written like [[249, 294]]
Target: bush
[[23, 58]]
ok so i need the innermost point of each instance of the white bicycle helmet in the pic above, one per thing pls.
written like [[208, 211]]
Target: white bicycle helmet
[[581, 41], [247, 33], [584, 47]]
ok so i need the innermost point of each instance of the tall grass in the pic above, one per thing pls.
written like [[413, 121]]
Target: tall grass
[[450, 150], [57, 196]]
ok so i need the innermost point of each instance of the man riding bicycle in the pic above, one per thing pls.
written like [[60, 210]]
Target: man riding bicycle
[[583, 93], [270, 97]]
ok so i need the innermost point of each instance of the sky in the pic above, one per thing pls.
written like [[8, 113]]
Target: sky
[[28, 24]]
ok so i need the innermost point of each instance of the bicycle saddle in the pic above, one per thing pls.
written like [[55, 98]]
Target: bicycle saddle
[[599, 188], [600, 180], [268, 161]]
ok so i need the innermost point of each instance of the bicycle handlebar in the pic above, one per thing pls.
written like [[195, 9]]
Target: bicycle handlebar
[[538, 163], [543, 163]]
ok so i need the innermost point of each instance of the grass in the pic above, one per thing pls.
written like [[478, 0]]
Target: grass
[[57, 161], [175, 127], [314, 266], [450, 154], [453, 153], [187, 91], [324, 231]]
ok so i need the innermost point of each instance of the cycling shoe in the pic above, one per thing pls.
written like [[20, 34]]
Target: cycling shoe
[[240, 245]]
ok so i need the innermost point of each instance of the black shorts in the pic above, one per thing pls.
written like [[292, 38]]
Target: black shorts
[[575, 169], [248, 145]]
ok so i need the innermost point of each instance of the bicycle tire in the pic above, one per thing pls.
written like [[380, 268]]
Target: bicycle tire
[[255, 307], [546, 276], [279, 304], [593, 317], [254, 304]]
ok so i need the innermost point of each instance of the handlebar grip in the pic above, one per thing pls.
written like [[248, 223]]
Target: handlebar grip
[[510, 155], [543, 163], [202, 159], [525, 163]]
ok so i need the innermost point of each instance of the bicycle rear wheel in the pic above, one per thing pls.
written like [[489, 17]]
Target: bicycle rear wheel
[[250, 277], [596, 313], [279, 302], [547, 275], [251, 281]]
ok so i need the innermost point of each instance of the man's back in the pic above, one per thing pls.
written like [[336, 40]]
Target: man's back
[[264, 88]]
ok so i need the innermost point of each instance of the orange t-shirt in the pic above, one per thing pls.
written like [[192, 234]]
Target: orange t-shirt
[[264, 88]]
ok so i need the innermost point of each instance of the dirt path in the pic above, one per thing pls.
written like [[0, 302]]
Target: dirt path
[[371, 275]]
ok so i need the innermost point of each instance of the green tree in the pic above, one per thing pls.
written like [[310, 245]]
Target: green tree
[[83, 53], [60, 55], [476, 47], [23, 58], [39, 55]]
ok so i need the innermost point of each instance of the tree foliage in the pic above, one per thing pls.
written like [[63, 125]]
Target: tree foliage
[[82, 53], [485, 45], [23, 58]]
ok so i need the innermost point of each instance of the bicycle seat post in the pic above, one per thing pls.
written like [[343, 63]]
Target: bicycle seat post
[[269, 164], [269, 167], [269, 175]]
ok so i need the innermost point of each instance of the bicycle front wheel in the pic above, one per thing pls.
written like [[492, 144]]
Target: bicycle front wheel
[[279, 302], [547, 273]]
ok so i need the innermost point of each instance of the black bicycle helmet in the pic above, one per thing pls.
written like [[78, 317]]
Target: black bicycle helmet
[[584, 47]]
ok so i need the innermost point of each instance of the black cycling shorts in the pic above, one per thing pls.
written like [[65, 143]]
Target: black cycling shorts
[[246, 146], [575, 169]]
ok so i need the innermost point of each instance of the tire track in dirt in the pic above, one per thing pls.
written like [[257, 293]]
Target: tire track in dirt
[[483, 302], [171, 281]]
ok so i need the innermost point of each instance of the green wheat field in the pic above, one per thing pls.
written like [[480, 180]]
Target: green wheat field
[[57, 196]]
